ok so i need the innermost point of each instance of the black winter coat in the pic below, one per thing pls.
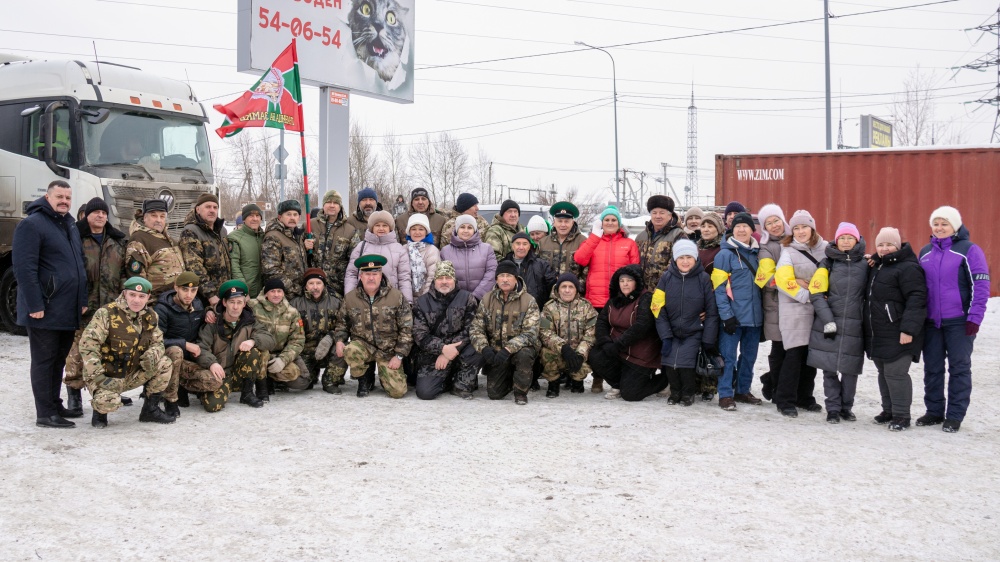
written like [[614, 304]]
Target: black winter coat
[[682, 299], [897, 302], [842, 304], [538, 275], [178, 325], [48, 265], [452, 314]]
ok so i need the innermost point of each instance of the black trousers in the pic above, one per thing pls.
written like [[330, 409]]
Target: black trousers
[[796, 380], [514, 375], [682, 382], [49, 349], [634, 382]]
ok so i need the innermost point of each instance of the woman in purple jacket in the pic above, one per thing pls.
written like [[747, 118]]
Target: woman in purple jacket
[[474, 260], [958, 286]]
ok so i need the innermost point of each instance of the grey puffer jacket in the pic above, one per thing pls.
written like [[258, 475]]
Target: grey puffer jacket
[[396, 271], [845, 276], [768, 256], [795, 311], [475, 264]]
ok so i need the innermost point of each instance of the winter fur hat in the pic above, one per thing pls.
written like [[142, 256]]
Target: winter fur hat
[[715, 220], [382, 216], [537, 223], [418, 218], [802, 217], [659, 202], [685, 247], [890, 235], [694, 212], [290, 205], [766, 212], [466, 219], [848, 229], [949, 214]]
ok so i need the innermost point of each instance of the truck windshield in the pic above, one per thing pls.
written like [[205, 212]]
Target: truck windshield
[[133, 137]]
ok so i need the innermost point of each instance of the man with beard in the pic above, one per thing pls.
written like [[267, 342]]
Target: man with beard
[[151, 254], [367, 204], [180, 315], [335, 238], [318, 309], [205, 248], [420, 203]]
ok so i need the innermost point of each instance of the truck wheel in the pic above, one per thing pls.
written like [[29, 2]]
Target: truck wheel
[[8, 303]]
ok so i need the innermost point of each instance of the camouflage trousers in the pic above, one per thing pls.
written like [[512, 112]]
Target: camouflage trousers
[[295, 374], [74, 364], [358, 353], [247, 365], [187, 374], [108, 394], [553, 365], [334, 368]]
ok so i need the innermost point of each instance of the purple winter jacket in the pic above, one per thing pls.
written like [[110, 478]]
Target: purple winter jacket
[[958, 278], [474, 261]]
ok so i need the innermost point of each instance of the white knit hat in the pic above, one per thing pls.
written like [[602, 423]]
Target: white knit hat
[[418, 218], [949, 214], [766, 212], [465, 219], [685, 247], [538, 223]]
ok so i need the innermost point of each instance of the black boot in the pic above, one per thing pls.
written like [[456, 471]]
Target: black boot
[[126, 401], [247, 396], [553, 391], [366, 384], [182, 397], [100, 421], [151, 411], [74, 403], [171, 409], [262, 389], [577, 387]]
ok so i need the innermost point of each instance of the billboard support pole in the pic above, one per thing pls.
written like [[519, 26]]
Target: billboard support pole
[[334, 144]]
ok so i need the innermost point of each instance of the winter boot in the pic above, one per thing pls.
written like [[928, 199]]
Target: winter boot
[[577, 387], [100, 421], [366, 384], [767, 386], [126, 401], [951, 426], [928, 419], [260, 387], [553, 391], [182, 397], [520, 399], [247, 395], [883, 418], [899, 424], [848, 415], [328, 385], [171, 408], [74, 403], [151, 411], [833, 417], [598, 385]]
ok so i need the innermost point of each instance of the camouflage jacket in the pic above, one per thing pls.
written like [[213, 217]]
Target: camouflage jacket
[[220, 342], [573, 323], [385, 323], [499, 236], [334, 242], [449, 228], [655, 250], [284, 323], [560, 254], [318, 316], [206, 253], [105, 265], [244, 255], [283, 255], [435, 218], [119, 342], [152, 255], [510, 322], [440, 320]]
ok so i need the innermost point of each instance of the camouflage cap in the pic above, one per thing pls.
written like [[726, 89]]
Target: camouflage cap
[[233, 288], [445, 269], [139, 285], [187, 279], [370, 262], [332, 196]]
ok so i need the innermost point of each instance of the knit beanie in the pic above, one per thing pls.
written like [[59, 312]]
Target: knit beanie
[[418, 218], [445, 269], [612, 210], [715, 220], [249, 209], [419, 192], [802, 217], [508, 205], [273, 283], [465, 202], [847, 228], [537, 223], [290, 205], [521, 235], [333, 196], [659, 202], [568, 277], [744, 218], [508, 267], [96, 204], [466, 219], [206, 198], [685, 247], [734, 207], [313, 273], [890, 235], [766, 212], [949, 214], [694, 212], [367, 193], [382, 216], [239, 220]]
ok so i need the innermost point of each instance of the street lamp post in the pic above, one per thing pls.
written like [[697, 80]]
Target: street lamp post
[[614, 89]]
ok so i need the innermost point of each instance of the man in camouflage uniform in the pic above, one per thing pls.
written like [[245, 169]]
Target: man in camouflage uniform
[[420, 203], [180, 315], [567, 333], [379, 323], [205, 248], [284, 254], [558, 247], [104, 262], [122, 349], [244, 248], [505, 332], [282, 321], [234, 350], [151, 253], [656, 242], [335, 238], [318, 309], [501, 232], [367, 204], [467, 204]]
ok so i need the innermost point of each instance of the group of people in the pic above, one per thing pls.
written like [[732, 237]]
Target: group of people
[[429, 298]]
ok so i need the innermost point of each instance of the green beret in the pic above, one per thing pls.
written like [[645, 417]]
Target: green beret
[[138, 284], [370, 262], [233, 288], [564, 210], [187, 279]]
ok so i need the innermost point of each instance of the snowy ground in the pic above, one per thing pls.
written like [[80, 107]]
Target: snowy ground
[[576, 478]]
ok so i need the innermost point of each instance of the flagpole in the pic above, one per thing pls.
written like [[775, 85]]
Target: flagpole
[[281, 177], [302, 141]]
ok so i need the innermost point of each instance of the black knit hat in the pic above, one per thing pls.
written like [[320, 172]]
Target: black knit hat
[[273, 283], [508, 205], [659, 202], [508, 267], [465, 202], [96, 204], [521, 235], [743, 218], [570, 277]]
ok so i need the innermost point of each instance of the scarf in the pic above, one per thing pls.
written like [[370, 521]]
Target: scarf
[[418, 269]]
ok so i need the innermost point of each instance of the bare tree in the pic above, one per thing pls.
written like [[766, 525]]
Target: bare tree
[[589, 206], [913, 111], [393, 161], [482, 168], [453, 166], [363, 166], [250, 167], [423, 164]]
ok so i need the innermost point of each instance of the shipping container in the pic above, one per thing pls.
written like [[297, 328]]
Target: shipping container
[[873, 189]]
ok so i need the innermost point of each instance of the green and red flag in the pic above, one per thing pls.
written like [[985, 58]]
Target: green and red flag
[[274, 101]]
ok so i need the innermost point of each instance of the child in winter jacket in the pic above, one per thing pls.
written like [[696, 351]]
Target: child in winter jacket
[[567, 334]]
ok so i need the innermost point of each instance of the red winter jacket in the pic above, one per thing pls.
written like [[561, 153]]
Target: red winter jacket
[[605, 255]]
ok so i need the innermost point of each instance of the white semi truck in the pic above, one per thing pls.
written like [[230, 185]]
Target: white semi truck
[[111, 131]]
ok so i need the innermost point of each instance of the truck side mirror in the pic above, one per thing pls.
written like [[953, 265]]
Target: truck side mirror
[[31, 111], [48, 126]]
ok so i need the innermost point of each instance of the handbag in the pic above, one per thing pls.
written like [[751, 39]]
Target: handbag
[[708, 366]]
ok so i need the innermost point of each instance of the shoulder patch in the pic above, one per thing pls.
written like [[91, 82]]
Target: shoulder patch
[[135, 266]]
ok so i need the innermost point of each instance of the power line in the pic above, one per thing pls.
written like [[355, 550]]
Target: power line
[[168, 7]]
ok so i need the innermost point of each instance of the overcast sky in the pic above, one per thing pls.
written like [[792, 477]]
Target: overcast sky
[[549, 119]]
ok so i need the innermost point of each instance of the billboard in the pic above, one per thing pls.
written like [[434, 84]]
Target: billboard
[[875, 133], [365, 46]]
